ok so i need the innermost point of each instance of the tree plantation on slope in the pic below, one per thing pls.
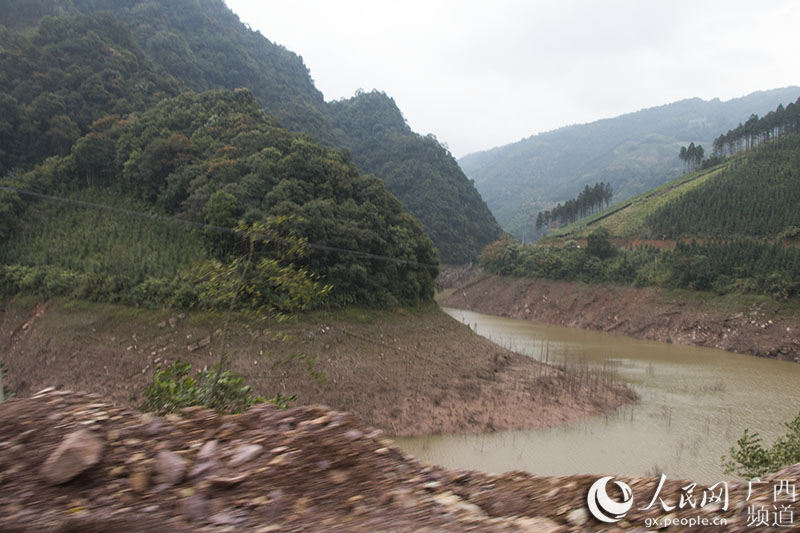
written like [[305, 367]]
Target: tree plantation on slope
[[634, 153], [213, 158]]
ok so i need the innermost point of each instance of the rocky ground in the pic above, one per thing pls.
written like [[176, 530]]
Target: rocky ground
[[451, 276], [405, 372], [74, 462], [763, 329]]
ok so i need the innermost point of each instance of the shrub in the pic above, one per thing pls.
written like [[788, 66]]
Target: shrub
[[599, 244], [174, 388], [751, 459]]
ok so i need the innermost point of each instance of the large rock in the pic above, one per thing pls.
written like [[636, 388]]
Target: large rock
[[78, 452], [169, 468], [208, 451], [195, 508], [244, 454]]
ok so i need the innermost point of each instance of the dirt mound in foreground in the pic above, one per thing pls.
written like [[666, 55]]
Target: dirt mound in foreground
[[304, 469]]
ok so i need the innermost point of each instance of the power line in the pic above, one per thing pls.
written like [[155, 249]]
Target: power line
[[198, 225]]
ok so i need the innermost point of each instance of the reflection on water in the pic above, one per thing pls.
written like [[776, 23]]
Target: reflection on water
[[695, 403]]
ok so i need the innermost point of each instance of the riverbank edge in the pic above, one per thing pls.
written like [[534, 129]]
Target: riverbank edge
[[755, 326], [408, 372]]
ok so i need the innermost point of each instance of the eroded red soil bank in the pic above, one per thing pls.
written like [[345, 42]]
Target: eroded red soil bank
[[644, 313]]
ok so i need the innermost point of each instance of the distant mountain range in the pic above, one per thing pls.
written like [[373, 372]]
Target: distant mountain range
[[633, 152], [732, 227]]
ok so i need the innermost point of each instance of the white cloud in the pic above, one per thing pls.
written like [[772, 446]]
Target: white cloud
[[480, 74]]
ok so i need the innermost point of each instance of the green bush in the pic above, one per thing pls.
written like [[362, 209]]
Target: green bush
[[751, 459], [174, 388], [745, 266], [599, 244]]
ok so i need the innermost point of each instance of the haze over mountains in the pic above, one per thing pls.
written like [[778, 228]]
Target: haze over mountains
[[634, 152]]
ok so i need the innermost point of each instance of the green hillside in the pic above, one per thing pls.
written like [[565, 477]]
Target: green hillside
[[417, 170], [730, 228], [208, 160], [204, 46], [627, 219], [57, 80], [754, 193], [635, 153], [757, 197]]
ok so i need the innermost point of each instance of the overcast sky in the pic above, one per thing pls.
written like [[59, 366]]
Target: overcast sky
[[484, 74]]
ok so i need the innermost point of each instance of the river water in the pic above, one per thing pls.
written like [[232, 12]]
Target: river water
[[695, 403]]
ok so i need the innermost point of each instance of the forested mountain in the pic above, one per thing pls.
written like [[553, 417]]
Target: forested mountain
[[91, 121], [71, 72], [747, 188], [633, 153], [203, 45], [734, 228], [419, 171], [731, 227]]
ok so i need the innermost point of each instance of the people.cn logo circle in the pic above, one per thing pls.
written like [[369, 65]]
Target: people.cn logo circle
[[603, 507]]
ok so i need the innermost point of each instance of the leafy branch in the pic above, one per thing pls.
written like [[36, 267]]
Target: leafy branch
[[751, 459]]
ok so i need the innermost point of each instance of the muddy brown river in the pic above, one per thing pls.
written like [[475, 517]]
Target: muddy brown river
[[695, 403]]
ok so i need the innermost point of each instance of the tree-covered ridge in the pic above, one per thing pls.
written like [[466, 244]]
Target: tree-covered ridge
[[216, 158], [754, 196], [58, 79], [741, 266], [759, 130], [205, 46], [416, 168], [635, 152]]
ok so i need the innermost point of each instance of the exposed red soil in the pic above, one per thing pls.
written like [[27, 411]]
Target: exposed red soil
[[311, 469], [408, 373], [644, 313]]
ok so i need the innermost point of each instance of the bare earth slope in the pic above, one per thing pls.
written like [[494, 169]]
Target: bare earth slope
[[647, 313], [408, 373]]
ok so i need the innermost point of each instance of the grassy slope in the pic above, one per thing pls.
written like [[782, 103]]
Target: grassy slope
[[626, 220]]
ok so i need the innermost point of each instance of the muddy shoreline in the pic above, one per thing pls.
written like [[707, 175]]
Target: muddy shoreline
[[763, 329], [406, 372]]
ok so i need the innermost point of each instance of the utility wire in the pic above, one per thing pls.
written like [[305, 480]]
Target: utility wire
[[221, 229]]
